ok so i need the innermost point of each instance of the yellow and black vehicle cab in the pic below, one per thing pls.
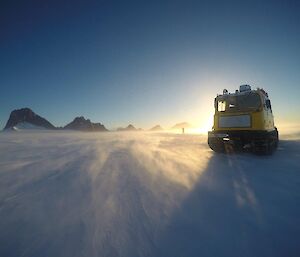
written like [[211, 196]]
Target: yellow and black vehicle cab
[[243, 120]]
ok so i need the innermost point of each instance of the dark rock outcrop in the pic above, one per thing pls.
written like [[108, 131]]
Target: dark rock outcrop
[[128, 128], [156, 128], [82, 124], [27, 115]]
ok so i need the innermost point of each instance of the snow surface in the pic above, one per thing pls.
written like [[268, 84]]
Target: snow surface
[[25, 126], [144, 194]]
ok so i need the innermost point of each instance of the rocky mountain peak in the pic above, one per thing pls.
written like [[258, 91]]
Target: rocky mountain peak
[[26, 115]]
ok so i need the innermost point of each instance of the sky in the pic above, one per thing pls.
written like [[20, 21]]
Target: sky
[[146, 62]]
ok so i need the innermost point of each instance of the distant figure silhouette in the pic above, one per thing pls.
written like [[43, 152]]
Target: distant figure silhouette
[[182, 130]]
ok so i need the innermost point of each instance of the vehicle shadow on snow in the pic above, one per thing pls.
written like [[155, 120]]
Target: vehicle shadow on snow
[[242, 205]]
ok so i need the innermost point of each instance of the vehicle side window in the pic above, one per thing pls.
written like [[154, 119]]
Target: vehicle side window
[[268, 104]]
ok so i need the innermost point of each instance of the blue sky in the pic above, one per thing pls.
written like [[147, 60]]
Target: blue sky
[[146, 62]]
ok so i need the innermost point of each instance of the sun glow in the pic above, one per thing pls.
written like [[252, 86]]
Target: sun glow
[[199, 130], [203, 127]]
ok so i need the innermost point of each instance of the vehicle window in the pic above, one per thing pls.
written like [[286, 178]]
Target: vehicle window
[[221, 106], [268, 104], [244, 102], [249, 101]]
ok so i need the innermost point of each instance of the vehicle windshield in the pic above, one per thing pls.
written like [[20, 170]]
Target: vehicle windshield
[[245, 102]]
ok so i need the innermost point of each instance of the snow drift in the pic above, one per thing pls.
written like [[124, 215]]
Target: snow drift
[[143, 194]]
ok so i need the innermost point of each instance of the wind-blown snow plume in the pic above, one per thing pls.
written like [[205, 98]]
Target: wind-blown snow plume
[[142, 194]]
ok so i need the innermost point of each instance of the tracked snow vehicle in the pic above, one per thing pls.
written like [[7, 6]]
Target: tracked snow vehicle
[[243, 121]]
